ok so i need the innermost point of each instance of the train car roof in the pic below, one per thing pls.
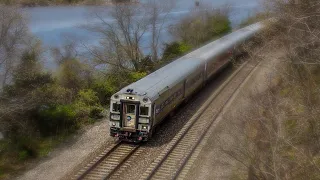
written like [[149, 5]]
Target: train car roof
[[168, 76], [164, 78], [226, 42]]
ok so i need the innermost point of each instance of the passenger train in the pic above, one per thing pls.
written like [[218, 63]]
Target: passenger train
[[137, 109]]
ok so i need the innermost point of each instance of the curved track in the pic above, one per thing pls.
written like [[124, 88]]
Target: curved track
[[171, 162], [108, 162]]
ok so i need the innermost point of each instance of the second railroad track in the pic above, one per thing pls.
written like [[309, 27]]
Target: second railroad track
[[171, 161]]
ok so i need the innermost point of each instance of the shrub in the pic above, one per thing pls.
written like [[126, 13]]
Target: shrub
[[56, 119], [135, 76], [104, 88], [87, 105], [23, 155], [3, 146], [174, 50], [24, 146], [96, 112], [218, 25], [88, 97], [53, 94]]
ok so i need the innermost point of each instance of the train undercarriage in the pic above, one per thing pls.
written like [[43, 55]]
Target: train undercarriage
[[129, 136]]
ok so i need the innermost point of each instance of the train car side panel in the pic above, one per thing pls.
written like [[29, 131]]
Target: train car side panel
[[194, 81], [167, 102], [218, 63]]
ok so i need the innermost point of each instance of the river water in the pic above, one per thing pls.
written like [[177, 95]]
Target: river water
[[55, 25]]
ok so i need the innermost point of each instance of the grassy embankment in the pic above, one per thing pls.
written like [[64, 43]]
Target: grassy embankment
[[278, 134]]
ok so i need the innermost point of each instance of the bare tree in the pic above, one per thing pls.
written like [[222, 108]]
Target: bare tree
[[67, 51], [123, 35], [159, 12], [13, 33]]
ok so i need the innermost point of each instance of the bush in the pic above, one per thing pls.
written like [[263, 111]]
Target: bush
[[174, 50], [53, 94], [88, 97], [23, 155], [218, 25], [56, 119], [87, 105], [135, 76], [104, 88], [19, 146], [96, 112]]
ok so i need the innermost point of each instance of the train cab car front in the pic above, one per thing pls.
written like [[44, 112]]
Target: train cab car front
[[130, 117]]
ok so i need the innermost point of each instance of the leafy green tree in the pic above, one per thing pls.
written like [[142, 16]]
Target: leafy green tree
[[19, 105], [174, 50], [87, 104], [105, 87]]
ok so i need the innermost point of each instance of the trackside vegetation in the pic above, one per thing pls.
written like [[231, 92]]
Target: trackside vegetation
[[278, 134], [40, 108]]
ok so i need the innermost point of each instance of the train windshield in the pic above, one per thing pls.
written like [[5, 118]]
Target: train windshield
[[131, 109], [144, 111]]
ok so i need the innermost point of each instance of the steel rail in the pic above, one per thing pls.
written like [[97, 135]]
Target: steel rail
[[151, 171], [120, 150]]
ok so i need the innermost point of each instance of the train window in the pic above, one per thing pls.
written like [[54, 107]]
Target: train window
[[144, 111], [131, 108], [116, 107]]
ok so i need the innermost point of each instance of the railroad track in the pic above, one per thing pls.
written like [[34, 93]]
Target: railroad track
[[170, 163], [173, 159], [107, 163]]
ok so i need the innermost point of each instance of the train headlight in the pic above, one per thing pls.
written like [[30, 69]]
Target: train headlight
[[144, 127], [116, 96], [145, 99], [115, 117], [113, 124]]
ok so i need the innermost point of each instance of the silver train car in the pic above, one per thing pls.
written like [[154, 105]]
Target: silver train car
[[137, 109]]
